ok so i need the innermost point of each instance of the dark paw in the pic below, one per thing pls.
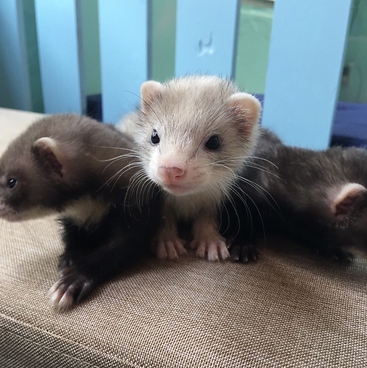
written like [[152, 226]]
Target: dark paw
[[337, 254], [70, 289], [244, 253], [65, 263]]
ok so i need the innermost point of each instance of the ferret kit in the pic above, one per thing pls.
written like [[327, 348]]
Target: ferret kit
[[198, 140], [87, 173], [318, 198], [194, 135], [193, 162]]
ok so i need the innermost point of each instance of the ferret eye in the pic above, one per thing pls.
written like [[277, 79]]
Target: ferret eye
[[12, 183], [155, 137], [213, 143]]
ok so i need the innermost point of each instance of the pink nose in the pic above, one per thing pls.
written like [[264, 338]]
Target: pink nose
[[171, 174]]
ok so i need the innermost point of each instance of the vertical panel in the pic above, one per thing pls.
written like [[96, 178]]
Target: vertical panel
[[163, 35], [90, 46], [14, 78], [59, 43], [254, 32], [305, 59], [206, 36], [32, 55], [124, 29]]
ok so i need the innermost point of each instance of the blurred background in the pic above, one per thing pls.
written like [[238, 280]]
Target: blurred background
[[253, 21]]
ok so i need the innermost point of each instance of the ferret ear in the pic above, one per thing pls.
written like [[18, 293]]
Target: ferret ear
[[247, 108], [150, 91], [48, 155], [347, 199]]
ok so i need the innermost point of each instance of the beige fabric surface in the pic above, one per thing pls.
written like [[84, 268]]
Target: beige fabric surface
[[12, 122], [287, 310], [290, 309]]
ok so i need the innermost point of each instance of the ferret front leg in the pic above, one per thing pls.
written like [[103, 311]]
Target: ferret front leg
[[207, 240], [244, 252], [168, 245], [86, 273], [71, 288], [80, 276], [94, 255]]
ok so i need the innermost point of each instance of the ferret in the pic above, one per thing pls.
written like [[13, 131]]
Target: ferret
[[193, 135], [318, 198], [81, 169]]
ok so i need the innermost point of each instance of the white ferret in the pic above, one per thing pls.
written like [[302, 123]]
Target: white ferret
[[193, 135]]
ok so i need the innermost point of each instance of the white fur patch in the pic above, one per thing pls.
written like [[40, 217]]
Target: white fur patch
[[87, 210]]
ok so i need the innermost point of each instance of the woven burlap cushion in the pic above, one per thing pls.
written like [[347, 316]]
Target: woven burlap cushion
[[287, 310]]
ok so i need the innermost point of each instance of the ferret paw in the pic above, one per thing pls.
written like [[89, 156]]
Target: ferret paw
[[244, 253], [65, 263], [170, 249], [69, 290], [212, 250], [336, 254]]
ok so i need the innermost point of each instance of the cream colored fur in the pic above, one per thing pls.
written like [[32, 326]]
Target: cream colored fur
[[185, 113]]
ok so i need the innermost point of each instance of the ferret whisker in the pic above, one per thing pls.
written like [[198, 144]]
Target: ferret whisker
[[109, 181], [231, 201], [257, 210], [257, 167], [261, 190], [112, 147], [151, 185], [116, 160], [248, 164], [119, 173], [229, 159], [131, 193], [223, 204], [149, 191], [120, 157], [236, 188], [233, 174], [141, 190], [135, 184], [264, 159]]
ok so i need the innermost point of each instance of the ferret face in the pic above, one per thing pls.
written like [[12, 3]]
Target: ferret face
[[10, 185], [17, 192], [195, 133], [28, 185]]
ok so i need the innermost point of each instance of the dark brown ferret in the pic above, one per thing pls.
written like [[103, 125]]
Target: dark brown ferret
[[80, 169], [319, 198]]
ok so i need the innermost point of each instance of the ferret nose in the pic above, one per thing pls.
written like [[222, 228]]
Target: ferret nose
[[171, 174]]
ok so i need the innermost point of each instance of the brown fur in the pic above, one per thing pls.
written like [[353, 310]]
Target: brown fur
[[81, 169], [317, 197]]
